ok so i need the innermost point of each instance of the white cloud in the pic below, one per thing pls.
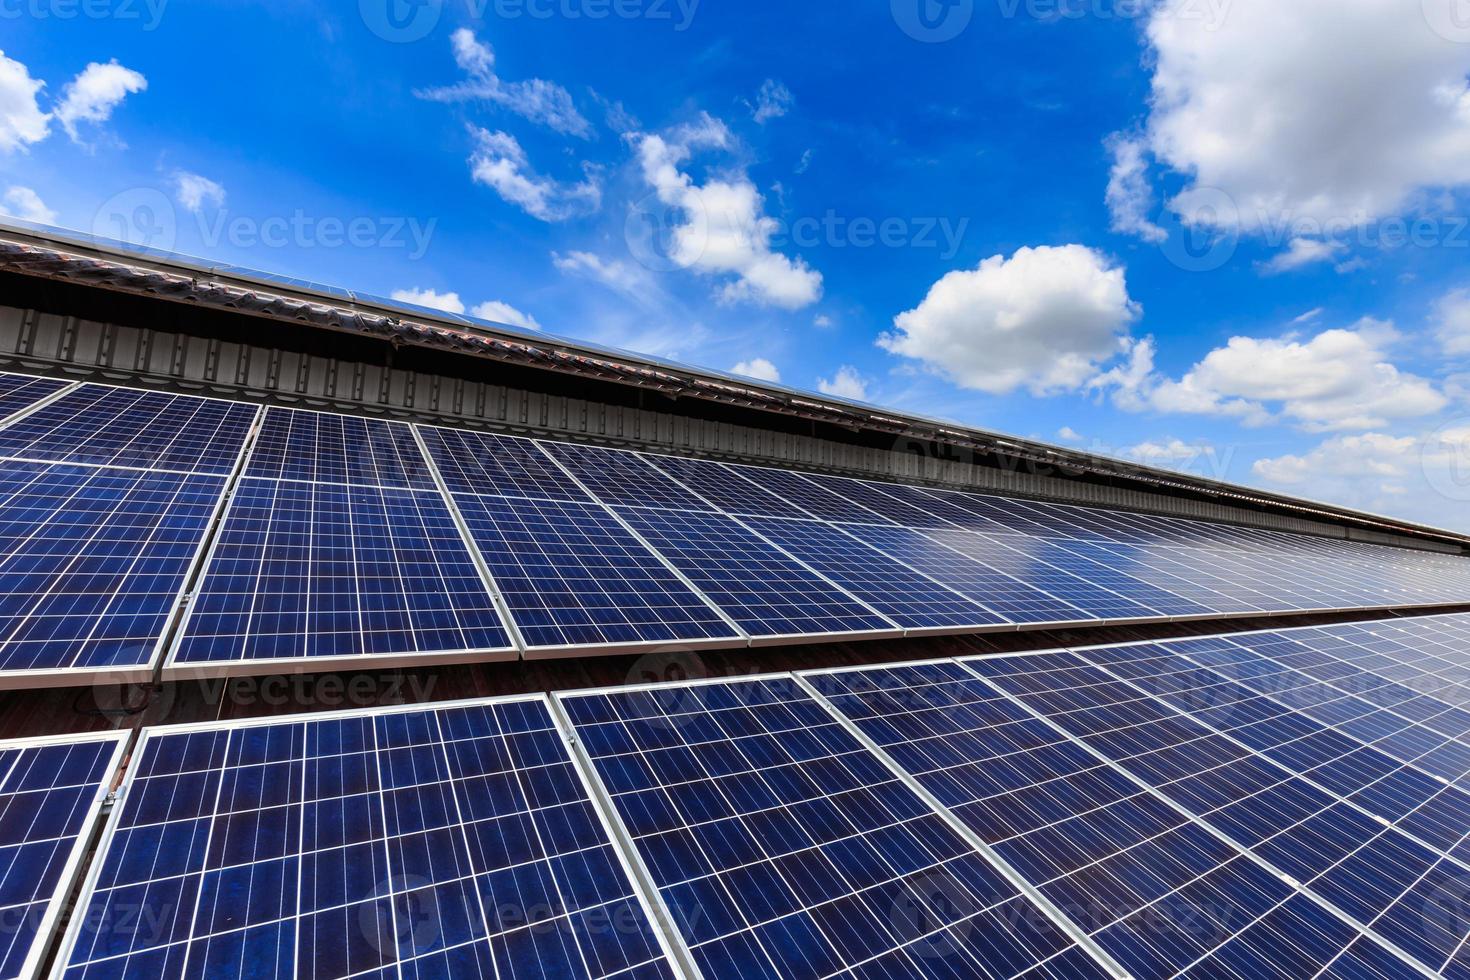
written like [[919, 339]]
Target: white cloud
[[823, 322], [1300, 253], [1130, 196], [499, 163], [758, 368], [846, 383], [1168, 451], [95, 93], [1068, 434], [497, 312], [1337, 380], [1045, 319], [22, 122], [1310, 316], [1313, 110], [448, 302], [1452, 322], [1423, 477], [612, 273], [725, 230], [24, 203], [543, 102], [772, 102], [195, 192]]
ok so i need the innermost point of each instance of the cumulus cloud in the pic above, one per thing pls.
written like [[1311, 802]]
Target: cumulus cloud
[[22, 122], [196, 193], [448, 302], [1045, 319], [1424, 477], [26, 204], [846, 383], [758, 368], [1313, 110], [501, 164], [1130, 196], [94, 94], [1300, 253], [1337, 380], [1452, 322], [722, 227], [772, 102], [497, 312], [540, 101]]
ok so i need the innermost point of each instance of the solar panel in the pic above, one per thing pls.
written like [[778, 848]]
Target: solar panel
[[459, 841], [816, 500], [92, 562], [106, 426], [332, 573], [802, 852], [51, 794], [725, 488], [573, 576], [876, 498], [766, 593], [20, 391], [478, 462], [317, 447], [910, 599], [618, 477]]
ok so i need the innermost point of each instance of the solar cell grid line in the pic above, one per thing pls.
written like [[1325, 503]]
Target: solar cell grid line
[[617, 477], [321, 447], [1362, 768], [454, 840], [106, 426], [947, 513], [805, 855], [1019, 602], [912, 600], [876, 498], [1123, 863], [1089, 523], [499, 465], [811, 497], [770, 595], [724, 488], [1019, 563], [92, 564], [26, 393], [335, 575], [574, 576], [52, 791], [1166, 603], [1136, 564], [1334, 879]]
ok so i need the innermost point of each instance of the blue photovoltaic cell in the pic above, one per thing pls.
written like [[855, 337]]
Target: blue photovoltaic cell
[[122, 427], [757, 585], [1010, 596], [784, 849], [721, 486], [811, 497], [452, 843], [898, 592], [20, 391], [619, 477], [92, 561], [478, 462], [317, 447], [304, 570], [572, 575], [50, 796]]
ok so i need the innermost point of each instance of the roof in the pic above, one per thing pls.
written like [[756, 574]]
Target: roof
[[40, 252]]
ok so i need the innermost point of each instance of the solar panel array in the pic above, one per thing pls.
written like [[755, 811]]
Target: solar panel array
[[51, 792], [145, 529], [1280, 804]]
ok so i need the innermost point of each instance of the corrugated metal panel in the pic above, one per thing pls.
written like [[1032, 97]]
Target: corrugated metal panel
[[66, 345]]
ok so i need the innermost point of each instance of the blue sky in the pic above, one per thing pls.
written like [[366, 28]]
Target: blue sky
[[1222, 235]]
